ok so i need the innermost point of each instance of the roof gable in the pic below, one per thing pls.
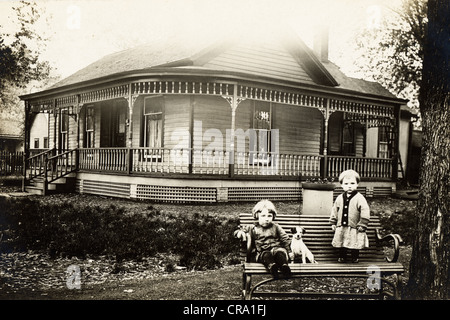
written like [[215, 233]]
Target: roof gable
[[268, 60]]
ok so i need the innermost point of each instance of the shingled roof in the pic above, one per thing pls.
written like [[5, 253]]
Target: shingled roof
[[138, 58], [192, 54], [354, 84], [10, 129]]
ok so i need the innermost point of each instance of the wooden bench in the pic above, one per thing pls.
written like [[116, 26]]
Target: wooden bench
[[374, 266]]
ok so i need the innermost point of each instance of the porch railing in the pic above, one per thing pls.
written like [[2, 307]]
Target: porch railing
[[254, 163], [104, 159], [369, 168], [186, 160], [60, 165]]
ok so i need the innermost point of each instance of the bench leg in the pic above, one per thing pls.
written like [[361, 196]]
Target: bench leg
[[246, 286], [398, 287]]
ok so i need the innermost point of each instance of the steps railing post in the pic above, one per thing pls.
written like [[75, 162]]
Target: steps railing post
[[45, 184]]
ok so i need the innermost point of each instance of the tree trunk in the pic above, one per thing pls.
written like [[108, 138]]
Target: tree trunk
[[429, 268]]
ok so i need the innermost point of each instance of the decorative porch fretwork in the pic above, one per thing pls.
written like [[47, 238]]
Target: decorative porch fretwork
[[215, 88], [182, 87], [42, 106], [105, 94], [280, 97], [370, 120], [361, 108], [66, 101]]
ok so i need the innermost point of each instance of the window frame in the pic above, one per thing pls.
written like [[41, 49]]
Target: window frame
[[262, 128], [64, 129], [89, 132], [147, 117]]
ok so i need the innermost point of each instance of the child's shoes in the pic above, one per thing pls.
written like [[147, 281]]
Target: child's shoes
[[285, 271], [273, 269]]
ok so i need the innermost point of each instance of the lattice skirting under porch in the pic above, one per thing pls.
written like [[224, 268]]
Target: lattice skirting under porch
[[176, 194], [258, 193], [103, 188], [209, 194]]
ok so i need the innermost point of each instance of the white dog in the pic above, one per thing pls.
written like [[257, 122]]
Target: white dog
[[298, 247]]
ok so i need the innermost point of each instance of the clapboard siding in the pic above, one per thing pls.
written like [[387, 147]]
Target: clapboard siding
[[176, 122], [212, 117], [262, 60], [300, 129], [243, 123], [137, 122]]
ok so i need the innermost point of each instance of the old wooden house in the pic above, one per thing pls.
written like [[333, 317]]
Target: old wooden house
[[239, 120]]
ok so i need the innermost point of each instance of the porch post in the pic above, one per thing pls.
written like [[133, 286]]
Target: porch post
[[233, 127], [234, 102], [55, 118], [396, 142], [26, 144], [78, 111], [191, 133], [326, 113], [131, 98]]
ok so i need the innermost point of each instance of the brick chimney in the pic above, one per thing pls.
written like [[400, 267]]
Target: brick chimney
[[321, 43]]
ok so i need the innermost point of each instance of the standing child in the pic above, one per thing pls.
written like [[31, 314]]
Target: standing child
[[271, 242], [349, 218]]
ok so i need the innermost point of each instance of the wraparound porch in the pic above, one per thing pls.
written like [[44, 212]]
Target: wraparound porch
[[189, 175], [191, 161]]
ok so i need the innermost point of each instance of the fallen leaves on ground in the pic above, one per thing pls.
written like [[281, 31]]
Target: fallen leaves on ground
[[34, 271]]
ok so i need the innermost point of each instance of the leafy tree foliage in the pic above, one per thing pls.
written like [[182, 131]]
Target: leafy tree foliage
[[393, 54], [20, 61]]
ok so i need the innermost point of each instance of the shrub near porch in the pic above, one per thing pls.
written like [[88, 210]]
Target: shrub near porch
[[200, 240]]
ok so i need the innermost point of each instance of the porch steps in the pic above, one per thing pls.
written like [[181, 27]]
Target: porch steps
[[62, 185]]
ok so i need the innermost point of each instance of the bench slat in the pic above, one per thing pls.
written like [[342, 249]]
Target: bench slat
[[361, 268]]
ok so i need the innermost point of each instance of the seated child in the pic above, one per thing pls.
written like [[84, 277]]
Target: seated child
[[349, 218], [272, 243]]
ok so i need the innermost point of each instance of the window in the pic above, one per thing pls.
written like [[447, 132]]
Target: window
[[383, 144], [153, 115], [36, 143], [348, 139], [64, 128], [45, 142], [89, 141], [260, 140]]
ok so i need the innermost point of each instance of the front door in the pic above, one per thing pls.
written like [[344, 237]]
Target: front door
[[113, 125]]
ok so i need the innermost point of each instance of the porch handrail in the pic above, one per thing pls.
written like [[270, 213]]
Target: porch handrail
[[61, 165], [35, 165]]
